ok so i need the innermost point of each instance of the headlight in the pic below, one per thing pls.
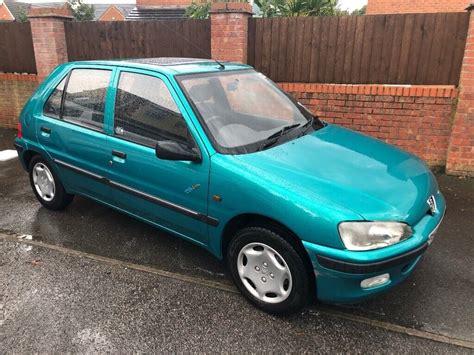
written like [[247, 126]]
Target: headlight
[[372, 235]]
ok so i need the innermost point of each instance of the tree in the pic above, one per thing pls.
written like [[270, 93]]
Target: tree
[[322, 8], [81, 11], [22, 14], [359, 12], [290, 8], [269, 8], [199, 11]]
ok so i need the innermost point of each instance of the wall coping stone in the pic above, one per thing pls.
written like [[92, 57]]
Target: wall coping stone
[[234, 7], [18, 77], [374, 89], [61, 13]]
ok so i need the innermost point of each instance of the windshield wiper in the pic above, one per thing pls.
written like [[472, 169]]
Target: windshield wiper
[[307, 126], [282, 131], [273, 138]]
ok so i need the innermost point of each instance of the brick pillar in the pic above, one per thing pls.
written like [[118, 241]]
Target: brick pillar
[[229, 31], [461, 146], [49, 39]]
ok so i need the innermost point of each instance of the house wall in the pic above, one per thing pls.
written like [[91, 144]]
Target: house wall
[[5, 14], [415, 118], [15, 89], [461, 148], [112, 14], [375, 7]]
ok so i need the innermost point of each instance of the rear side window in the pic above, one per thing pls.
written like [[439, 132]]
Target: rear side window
[[145, 111], [52, 107], [84, 99]]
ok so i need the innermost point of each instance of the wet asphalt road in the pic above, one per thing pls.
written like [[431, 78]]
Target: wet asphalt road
[[82, 305]]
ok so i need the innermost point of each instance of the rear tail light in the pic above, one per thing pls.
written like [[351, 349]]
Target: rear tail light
[[19, 134]]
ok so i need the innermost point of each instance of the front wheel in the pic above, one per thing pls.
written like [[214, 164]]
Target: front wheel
[[268, 270]]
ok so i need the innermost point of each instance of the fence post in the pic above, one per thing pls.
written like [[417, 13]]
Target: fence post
[[49, 39], [229, 30], [460, 159]]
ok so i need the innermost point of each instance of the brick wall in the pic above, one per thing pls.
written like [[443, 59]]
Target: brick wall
[[413, 6], [49, 39], [15, 89], [229, 31], [414, 118], [461, 148]]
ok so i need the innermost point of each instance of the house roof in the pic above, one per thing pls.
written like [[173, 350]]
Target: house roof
[[156, 13], [99, 9], [16, 6]]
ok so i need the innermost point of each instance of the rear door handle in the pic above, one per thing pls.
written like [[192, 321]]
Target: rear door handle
[[118, 154], [46, 130]]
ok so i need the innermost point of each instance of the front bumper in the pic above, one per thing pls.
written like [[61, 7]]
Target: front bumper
[[339, 272]]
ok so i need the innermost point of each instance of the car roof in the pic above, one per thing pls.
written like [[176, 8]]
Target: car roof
[[170, 65]]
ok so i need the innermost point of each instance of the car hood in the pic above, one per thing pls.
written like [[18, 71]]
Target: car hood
[[374, 179]]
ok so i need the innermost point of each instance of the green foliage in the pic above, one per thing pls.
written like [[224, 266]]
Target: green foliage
[[290, 8], [269, 8], [359, 12], [22, 15], [199, 11], [286, 8], [81, 11]]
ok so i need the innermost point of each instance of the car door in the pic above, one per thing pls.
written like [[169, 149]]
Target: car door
[[169, 193], [70, 127]]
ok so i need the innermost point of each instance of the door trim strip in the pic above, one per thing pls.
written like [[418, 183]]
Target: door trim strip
[[159, 201]]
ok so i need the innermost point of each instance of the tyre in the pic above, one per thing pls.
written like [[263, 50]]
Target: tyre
[[46, 185], [268, 270]]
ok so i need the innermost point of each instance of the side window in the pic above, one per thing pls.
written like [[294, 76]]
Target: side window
[[145, 111], [84, 100], [52, 107]]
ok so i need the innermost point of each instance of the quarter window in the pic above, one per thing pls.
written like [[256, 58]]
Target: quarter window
[[84, 100], [145, 111], [52, 107]]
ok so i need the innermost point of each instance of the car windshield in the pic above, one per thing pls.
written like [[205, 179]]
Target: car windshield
[[243, 111]]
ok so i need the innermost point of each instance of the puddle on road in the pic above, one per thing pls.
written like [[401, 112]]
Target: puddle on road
[[25, 237]]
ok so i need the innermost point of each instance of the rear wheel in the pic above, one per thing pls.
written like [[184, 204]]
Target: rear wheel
[[46, 185], [268, 270]]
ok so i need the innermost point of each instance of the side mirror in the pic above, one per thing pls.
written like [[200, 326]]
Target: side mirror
[[171, 150]]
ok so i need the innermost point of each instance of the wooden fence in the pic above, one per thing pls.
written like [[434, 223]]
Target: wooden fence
[[16, 48], [138, 39], [385, 49]]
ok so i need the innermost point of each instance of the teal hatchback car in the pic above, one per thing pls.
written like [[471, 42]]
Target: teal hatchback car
[[217, 154]]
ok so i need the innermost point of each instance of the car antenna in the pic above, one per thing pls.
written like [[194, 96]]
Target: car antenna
[[221, 66]]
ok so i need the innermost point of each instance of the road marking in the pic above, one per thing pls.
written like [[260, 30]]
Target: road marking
[[230, 288]]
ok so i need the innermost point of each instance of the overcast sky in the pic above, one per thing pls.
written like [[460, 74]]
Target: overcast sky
[[352, 4]]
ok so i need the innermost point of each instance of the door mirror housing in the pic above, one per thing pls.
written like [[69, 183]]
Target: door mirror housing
[[172, 150]]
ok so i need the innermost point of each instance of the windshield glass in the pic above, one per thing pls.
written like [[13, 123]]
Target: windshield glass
[[243, 109]]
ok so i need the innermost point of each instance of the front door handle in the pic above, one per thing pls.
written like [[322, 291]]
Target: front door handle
[[46, 130], [118, 154]]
